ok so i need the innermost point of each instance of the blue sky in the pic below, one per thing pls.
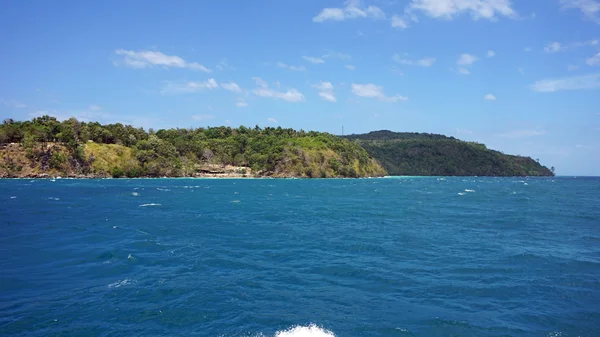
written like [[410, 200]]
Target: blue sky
[[523, 77]]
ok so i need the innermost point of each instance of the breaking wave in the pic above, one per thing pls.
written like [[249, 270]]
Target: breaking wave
[[305, 331]]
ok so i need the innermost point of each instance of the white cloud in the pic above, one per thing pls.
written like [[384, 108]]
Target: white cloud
[[572, 67], [353, 9], [325, 91], [328, 96], [272, 120], [521, 71], [241, 103], [491, 53], [202, 117], [447, 9], [589, 8], [13, 104], [464, 131], [189, 87], [324, 86], [289, 67], [260, 82], [146, 58], [489, 97], [589, 43], [466, 59], [374, 91], [554, 47], [263, 90], [233, 87], [336, 55], [399, 22], [350, 67], [591, 81], [90, 114], [313, 60], [424, 62], [594, 60], [524, 133], [223, 65], [527, 49]]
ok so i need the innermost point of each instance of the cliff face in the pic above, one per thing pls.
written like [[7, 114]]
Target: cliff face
[[438, 155], [48, 160]]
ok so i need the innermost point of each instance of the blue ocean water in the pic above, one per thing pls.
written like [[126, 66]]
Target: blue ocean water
[[283, 257]]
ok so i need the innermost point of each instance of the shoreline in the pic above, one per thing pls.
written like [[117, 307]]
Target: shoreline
[[272, 177]]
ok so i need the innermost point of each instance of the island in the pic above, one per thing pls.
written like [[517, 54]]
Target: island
[[47, 147]]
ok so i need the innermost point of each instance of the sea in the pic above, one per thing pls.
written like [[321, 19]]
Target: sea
[[405, 256]]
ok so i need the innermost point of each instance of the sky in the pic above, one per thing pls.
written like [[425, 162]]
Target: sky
[[521, 76]]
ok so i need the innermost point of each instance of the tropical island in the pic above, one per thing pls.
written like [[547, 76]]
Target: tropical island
[[47, 147]]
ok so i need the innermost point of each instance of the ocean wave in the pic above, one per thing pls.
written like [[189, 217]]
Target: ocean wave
[[152, 204], [470, 191], [305, 331], [135, 194], [163, 189], [121, 283]]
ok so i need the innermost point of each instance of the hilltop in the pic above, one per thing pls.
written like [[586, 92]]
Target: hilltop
[[424, 154]]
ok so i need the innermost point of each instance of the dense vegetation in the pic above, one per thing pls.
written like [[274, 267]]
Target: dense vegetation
[[71, 147], [46, 146], [426, 154]]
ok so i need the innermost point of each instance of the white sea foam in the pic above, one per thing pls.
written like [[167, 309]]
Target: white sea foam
[[135, 194], [461, 193], [152, 204], [52, 198], [470, 191], [121, 283], [305, 331], [163, 189], [13, 197]]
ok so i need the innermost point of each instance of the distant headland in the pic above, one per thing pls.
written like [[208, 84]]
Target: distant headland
[[46, 147]]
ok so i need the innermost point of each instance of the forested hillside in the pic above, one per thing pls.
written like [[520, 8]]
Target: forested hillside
[[45, 146], [424, 154]]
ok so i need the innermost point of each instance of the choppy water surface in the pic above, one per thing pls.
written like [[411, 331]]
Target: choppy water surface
[[269, 257]]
